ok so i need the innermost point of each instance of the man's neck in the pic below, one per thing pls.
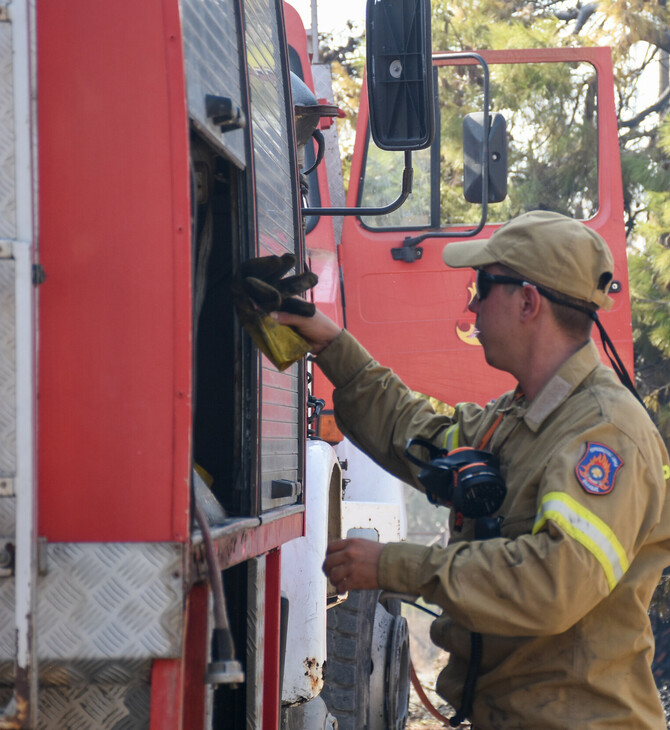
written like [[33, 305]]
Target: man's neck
[[542, 363]]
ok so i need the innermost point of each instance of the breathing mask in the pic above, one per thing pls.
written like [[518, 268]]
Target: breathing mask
[[466, 479]]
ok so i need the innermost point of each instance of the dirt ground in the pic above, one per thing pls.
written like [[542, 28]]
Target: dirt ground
[[428, 661], [419, 717]]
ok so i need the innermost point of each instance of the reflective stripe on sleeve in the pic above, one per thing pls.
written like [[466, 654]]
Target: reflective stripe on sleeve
[[588, 529], [451, 438]]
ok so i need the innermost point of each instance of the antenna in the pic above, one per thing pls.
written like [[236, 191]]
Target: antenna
[[315, 33]]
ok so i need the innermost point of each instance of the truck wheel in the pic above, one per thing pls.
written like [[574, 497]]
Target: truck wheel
[[346, 689], [367, 670], [389, 681]]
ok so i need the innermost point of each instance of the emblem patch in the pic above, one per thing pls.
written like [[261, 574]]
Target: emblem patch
[[598, 468]]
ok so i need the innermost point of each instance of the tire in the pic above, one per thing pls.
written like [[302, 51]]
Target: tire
[[346, 689], [389, 681], [313, 715]]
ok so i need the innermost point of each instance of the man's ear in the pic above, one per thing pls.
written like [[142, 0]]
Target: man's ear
[[531, 302]]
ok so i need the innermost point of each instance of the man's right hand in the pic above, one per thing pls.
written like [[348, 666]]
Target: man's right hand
[[319, 331]]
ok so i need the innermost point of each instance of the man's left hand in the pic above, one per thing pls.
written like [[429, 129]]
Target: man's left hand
[[352, 564]]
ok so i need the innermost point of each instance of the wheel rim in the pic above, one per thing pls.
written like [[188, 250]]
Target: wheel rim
[[397, 675]]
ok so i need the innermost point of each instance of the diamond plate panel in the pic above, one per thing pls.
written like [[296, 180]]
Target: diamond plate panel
[[7, 516], [97, 671], [7, 190], [105, 611], [111, 602], [7, 369], [94, 707]]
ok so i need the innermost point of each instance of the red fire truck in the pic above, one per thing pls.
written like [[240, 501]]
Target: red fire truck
[[166, 494]]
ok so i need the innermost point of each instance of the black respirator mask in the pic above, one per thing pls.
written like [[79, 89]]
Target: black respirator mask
[[466, 479]]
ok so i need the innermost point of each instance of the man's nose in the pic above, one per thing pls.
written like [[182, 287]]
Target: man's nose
[[474, 304]]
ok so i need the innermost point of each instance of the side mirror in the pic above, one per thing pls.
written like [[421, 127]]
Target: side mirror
[[473, 155], [399, 74]]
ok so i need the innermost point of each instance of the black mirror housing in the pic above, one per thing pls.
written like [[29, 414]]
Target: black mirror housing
[[399, 74], [473, 168]]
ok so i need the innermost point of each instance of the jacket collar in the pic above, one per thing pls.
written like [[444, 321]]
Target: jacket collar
[[561, 385]]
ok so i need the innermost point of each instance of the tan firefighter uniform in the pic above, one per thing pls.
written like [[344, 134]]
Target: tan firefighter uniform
[[561, 598]]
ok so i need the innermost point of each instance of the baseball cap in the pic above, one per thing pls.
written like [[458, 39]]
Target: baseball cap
[[549, 249]]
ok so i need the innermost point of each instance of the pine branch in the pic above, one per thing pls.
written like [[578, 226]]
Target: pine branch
[[649, 301], [658, 106], [578, 14]]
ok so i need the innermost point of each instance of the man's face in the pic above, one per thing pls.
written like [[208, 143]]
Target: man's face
[[495, 321]]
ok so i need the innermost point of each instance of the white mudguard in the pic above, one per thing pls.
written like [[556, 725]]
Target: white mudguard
[[304, 583]]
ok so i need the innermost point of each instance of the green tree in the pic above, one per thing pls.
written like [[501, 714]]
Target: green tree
[[639, 33], [346, 56]]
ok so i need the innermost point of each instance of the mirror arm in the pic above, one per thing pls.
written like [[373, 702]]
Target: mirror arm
[[407, 176], [409, 251]]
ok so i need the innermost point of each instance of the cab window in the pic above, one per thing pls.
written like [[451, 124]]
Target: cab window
[[551, 115]]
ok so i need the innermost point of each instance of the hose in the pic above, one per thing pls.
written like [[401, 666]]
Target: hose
[[424, 697], [224, 669]]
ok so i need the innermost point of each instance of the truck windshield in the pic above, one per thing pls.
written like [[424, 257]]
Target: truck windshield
[[551, 115]]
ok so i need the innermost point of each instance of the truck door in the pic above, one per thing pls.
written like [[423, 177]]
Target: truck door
[[406, 307]]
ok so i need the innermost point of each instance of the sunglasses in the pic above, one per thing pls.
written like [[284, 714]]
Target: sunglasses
[[485, 281]]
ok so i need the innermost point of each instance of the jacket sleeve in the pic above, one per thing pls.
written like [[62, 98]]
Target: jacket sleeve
[[375, 410], [580, 549]]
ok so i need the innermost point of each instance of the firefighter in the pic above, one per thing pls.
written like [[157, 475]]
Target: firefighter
[[560, 598]]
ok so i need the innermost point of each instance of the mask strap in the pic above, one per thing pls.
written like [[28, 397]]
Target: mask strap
[[608, 346], [617, 365]]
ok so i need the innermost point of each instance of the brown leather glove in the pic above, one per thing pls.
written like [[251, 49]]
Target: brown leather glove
[[263, 287], [264, 280]]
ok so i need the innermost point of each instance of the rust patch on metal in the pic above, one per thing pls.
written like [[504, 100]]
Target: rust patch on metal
[[245, 538], [314, 674], [15, 714]]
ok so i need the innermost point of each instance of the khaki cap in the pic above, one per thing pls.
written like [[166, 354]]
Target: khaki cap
[[550, 250]]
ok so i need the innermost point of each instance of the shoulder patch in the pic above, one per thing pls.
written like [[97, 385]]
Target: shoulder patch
[[598, 468]]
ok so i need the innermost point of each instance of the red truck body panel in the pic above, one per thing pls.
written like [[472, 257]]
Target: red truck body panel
[[115, 310]]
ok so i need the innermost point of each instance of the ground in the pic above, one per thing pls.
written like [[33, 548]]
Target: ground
[[428, 661]]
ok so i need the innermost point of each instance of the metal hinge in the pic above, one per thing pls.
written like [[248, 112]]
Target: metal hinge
[[408, 252], [39, 274], [283, 488], [222, 111], [8, 554], [4, 14]]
